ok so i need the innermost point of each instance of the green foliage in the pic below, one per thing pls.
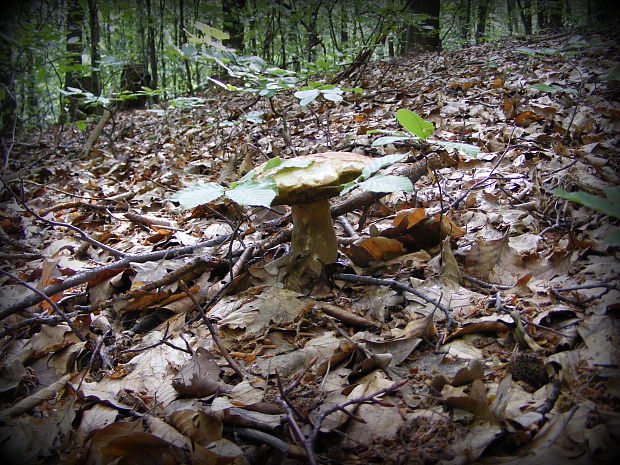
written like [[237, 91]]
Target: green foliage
[[414, 123], [553, 89], [309, 93], [608, 206], [380, 183], [419, 128]]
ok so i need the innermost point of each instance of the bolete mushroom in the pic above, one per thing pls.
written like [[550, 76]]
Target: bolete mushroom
[[308, 190]]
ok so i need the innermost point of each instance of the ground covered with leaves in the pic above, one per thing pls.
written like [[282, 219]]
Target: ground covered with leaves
[[473, 321]]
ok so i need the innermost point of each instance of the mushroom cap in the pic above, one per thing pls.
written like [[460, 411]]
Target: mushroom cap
[[318, 181]]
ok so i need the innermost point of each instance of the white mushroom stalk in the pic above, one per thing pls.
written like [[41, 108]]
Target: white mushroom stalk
[[307, 190]]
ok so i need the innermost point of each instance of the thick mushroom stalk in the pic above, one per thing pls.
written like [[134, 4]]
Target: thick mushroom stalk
[[307, 190], [313, 244]]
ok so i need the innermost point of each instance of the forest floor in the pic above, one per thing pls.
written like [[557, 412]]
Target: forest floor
[[473, 321]]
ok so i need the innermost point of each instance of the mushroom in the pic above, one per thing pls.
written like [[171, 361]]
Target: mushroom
[[308, 190]]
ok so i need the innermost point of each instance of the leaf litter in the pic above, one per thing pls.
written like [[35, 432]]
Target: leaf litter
[[473, 320]]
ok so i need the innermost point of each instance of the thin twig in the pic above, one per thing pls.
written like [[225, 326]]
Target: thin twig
[[213, 331], [359, 400], [85, 276], [399, 286], [290, 416], [83, 235], [57, 309]]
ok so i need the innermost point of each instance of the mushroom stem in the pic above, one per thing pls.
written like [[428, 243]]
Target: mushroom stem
[[313, 245]]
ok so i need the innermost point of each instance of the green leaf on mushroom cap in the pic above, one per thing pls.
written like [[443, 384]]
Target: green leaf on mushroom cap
[[198, 194], [257, 193], [379, 163], [387, 183]]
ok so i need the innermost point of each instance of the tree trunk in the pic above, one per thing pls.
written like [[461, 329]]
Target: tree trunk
[[427, 35], [525, 11], [312, 36], [603, 13], [182, 41], [231, 10], [75, 17], [93, 23], [465, 19], [150, 44], [483, 13], [344, 32]]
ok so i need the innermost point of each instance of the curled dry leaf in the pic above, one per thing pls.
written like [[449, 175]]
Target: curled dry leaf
[[200, 376]]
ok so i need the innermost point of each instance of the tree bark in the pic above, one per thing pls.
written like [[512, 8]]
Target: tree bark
[[150, 44], [231, 10], [93, 23], [483, 13], [424, 37], [75, 18]]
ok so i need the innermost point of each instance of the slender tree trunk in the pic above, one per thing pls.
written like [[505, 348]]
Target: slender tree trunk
[[150, 44], [483, 13], [231, 10], [465, 17], [75, 18], [525, 11], [344, 32], [428, 36], [93, 23], [312, 36], [162, 11], [182, 41], [509, 9], [141, 34]]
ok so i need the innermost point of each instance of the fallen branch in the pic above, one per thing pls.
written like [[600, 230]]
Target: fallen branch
[[42, 296], [354, 278], [96, 132], [413, 171], [85, 276]]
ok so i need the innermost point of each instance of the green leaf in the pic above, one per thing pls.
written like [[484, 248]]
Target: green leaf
[[81, 125], [608, 206], [307, 96], [259, 193], [613, 238], [389, 183], [389, 140], [295, 163], [246, 177], [334, 95], [211, 31], [553, 89], [198, 194], [254, 116], [613, 194], [348, 187], [414, 123], [273, 163], [377, 163], [468, 149]]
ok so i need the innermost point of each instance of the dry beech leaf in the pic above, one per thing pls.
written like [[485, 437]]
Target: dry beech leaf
[[375, 249], [475, 403], [449, 267], [406, 219], [200, 376], [481, 327], [198, 426]]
